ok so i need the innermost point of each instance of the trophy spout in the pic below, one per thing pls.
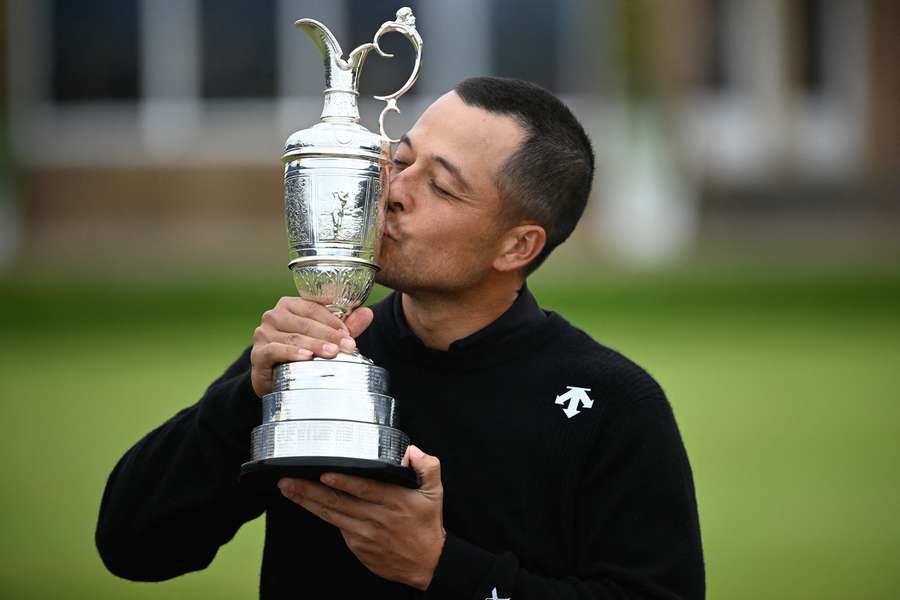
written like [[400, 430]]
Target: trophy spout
[[341, 76], [327, 44]]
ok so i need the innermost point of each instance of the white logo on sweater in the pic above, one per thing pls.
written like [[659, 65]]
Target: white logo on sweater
[[493, 596], [576, 396]]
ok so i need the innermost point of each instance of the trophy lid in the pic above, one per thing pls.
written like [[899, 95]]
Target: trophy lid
[[339, 131]]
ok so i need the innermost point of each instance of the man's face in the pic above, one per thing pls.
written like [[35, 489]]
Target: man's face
[[443, 220]]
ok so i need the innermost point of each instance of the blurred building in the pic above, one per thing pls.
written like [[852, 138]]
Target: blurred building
[[144, 128]]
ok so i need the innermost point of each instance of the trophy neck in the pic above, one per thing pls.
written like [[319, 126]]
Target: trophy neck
[[337, 310], [340, 106], [341, 85]]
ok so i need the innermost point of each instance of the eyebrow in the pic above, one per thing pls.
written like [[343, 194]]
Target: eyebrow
[[449, 166], [453, 170]]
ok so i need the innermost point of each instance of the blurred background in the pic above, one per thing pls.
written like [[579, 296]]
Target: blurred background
[[741, 244]]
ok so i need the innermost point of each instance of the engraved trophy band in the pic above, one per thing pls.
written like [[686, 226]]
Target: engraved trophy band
[[344, 413], [329, 415]]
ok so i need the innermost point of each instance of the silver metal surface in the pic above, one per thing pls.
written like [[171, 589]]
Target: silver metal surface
[[342, 76], [346, 405], [332, 374], [347, 439], [333, 207], [339, 287], [335, 181], [335, 189]]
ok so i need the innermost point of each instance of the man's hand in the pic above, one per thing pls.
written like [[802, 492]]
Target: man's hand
[[297, 329], [397, 533]]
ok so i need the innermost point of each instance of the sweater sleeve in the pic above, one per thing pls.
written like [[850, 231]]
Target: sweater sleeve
[[639, 533], [174, 498]]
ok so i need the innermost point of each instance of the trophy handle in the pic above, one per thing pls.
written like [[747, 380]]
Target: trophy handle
[[405, 23]]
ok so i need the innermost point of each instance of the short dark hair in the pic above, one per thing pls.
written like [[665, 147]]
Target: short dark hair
[[548, 179]]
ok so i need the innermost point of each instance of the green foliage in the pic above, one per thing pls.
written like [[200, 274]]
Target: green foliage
[[785, 386]]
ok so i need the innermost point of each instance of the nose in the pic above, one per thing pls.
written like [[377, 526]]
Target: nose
[[399, 193]]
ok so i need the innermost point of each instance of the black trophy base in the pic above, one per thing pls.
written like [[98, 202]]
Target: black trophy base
[[267, 471]]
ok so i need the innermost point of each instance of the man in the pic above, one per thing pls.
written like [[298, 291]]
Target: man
[[554, 468]]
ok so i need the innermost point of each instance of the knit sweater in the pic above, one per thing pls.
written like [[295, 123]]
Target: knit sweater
[[563, 470]]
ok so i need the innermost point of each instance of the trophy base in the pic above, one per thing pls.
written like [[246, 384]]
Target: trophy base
[[267, 471]]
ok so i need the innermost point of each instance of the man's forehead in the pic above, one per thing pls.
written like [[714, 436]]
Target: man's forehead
[[450, 125], [465, 116]]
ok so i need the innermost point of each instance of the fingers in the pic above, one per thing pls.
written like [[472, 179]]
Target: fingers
[[263, 359], [296, 329], [290, 324], [275, 353], [317, 346], [304, 324], [359, 320], [327, 514], [325, 502], [427, 468], [298, 316], [360, 487], [311, 310]]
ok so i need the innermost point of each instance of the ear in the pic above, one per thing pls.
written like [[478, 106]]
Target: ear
[[519, 246]]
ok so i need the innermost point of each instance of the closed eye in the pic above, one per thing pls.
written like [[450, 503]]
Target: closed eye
[[440, 190]]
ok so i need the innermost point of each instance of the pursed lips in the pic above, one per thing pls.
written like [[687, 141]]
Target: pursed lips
[[387, 233]]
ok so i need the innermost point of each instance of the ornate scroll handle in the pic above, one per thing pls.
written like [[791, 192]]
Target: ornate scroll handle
[[405, 24]]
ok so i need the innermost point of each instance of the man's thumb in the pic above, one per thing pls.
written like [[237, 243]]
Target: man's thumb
[[427, 468], [359, 320]]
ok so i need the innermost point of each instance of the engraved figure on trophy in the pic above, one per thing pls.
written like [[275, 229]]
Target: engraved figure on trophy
[[345, 222], [335, 414], [337, 215]]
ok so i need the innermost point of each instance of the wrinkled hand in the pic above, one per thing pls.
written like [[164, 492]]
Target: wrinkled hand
[[397, 533], [297, 329]]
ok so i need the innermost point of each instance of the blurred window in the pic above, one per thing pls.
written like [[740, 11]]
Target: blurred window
[[94, 53], [525, 40], [364, 18], [715, 74], [807, 44], [237, 48]]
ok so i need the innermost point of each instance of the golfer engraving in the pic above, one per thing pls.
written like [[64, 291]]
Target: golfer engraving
[[344, 221]]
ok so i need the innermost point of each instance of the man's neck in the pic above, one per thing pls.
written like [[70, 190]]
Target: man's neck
[[440, 320]]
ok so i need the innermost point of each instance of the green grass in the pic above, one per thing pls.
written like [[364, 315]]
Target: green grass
[[785, 386]]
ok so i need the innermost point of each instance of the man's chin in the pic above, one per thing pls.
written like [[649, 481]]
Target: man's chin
[[383, 278], [397, 281], [386, 284]]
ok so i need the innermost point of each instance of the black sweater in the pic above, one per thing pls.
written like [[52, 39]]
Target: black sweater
[[537, 503]]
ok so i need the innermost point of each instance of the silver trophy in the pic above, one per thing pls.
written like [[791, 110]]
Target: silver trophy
[[335, 414]]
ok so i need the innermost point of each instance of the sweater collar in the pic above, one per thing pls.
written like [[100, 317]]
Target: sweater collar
[[522, 314]]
